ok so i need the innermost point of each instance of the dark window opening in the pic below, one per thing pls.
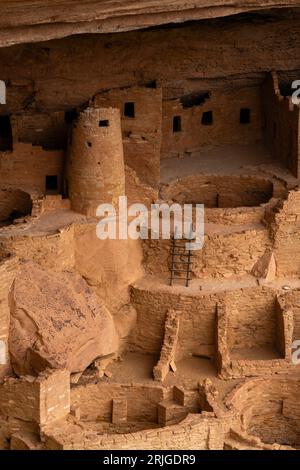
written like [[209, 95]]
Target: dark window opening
[[71, 116], [51, 183], [207, 118], [194, 99], [129, 110], [285, 86], [89, 144], [104, 123], [6, 139], [245, 116], [151, 84], [176, 123]]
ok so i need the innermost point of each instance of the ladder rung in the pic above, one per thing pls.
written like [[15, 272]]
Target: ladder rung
[[179, 271], [183, 258], [182, 262], [177, 276], [182, 254]]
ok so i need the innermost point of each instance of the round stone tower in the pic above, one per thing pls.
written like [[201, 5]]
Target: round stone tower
[[95, 173]]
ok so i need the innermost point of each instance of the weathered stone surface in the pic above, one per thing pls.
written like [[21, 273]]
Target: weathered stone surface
[[57, 321], [22, 21], [265, 267]]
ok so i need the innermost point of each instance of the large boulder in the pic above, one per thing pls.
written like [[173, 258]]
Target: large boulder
[[57, 321]]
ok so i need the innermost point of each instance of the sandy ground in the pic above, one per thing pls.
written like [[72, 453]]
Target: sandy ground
[[136, 367], [209, 286]]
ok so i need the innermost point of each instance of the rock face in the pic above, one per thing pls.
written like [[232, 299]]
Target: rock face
[[57, 321], [25, 22]]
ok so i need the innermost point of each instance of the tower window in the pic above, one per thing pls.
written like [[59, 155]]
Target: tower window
[[207, 118], [177, 124], [6, 140], [129, 110], [245, 116], [104, 123], [51, 183]]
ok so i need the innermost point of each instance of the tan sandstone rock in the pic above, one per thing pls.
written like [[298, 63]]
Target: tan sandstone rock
[[57, 321]]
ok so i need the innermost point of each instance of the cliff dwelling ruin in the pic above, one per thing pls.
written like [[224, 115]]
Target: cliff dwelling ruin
[[142, 343]]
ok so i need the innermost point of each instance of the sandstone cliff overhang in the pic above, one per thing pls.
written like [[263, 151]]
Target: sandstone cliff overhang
[[41, 20]]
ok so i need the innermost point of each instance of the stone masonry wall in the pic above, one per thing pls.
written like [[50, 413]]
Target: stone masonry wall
[[47, 130], [96, 401], [269, 409], [197, 324], [281, 125], [42, 400], [285, 224], [54, 251], [232, 252], [225, 127], [96, 163], [196, 432], [252, 318], [28, 166], [141, 132]]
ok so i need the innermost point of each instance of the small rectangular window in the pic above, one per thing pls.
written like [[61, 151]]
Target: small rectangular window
[[6, 138], [207, 118], [177, 124], [129, 110], [51, 183], [104, 123], [245, 116]]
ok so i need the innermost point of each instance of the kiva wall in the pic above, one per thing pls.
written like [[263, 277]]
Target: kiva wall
[[54, 251], [232, 252], [226, 191], [96, 401]]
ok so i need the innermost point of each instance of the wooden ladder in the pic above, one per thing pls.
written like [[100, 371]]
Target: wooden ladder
[[181, 261]]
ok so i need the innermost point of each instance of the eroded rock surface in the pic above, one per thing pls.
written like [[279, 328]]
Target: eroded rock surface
[[57, 321], [23, 22]]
